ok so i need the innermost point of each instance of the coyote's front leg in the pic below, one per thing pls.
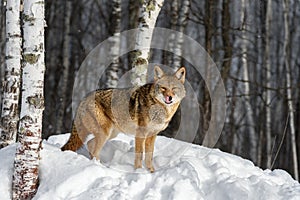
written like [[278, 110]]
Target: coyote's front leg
[[139, 149], [149, 148]]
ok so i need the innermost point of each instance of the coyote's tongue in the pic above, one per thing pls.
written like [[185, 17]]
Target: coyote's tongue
[[168, 99]]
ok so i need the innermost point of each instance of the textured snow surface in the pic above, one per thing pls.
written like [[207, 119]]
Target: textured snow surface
[[183, 171]]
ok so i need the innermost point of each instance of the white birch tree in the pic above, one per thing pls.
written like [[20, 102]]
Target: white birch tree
[[2, 44], [268, 82], [148, 15], [11, 86], [26, 165], [115, 44], [290, 102], [249, 115]]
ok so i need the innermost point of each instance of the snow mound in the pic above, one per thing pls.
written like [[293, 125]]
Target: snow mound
[[182, 171]]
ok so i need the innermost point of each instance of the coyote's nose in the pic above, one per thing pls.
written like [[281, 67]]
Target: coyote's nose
[[168, 99]]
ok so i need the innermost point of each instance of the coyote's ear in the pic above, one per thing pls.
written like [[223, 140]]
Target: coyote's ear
[[180, 74], [158, 72]]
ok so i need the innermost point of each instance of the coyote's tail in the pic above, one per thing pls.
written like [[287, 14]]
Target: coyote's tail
[[74, 141]]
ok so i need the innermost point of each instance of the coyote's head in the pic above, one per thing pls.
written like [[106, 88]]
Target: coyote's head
[[169, 89]]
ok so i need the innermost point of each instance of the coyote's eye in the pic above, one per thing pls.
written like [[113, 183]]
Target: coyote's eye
[[175, 88], [163, 89]]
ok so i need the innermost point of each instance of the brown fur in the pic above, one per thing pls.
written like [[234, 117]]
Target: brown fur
[[142, 111], [74, 142]]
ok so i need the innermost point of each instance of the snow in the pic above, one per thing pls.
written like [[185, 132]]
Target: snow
[[182, 171]]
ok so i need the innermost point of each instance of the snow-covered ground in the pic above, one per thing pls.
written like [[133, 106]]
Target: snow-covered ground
[[183, 171]]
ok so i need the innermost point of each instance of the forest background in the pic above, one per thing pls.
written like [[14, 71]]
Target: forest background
[[255, 45]]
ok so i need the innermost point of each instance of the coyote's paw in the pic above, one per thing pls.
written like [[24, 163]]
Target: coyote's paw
[[137, 165], [151, 169]]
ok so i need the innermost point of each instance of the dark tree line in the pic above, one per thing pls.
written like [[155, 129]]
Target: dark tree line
[[255, 45]]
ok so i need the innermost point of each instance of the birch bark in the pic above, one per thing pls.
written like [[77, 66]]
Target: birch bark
[[2, 44], [11, 86], [290, 102], [26, 165], [148, 14], [115, 44]]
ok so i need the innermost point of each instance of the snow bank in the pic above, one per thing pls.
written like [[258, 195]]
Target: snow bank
[[182, 171]]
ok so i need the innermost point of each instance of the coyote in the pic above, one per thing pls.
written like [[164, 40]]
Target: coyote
[[142, 111]]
